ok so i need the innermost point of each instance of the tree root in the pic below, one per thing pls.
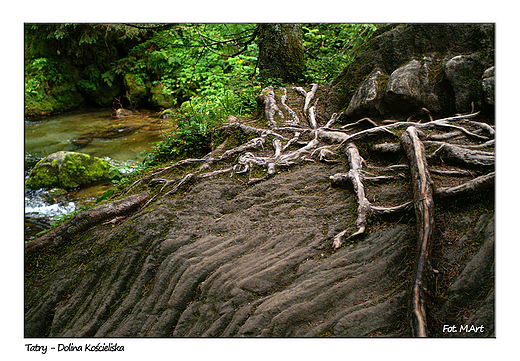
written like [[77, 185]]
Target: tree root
[[355, 175], [271, 109], [293, 143], [85, 220], [423, 203]]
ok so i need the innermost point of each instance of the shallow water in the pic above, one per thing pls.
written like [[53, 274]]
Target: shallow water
[[121, 141]]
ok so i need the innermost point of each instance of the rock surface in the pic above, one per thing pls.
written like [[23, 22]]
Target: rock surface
[[442, 62], [464, 73], [226, 260], [368, 96], [67, 170]]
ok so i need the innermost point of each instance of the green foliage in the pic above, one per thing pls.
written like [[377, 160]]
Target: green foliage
[[189, 139], [65, 63], [192, 66], [187, 60], [180, 60], [333, 47], [105, 195]]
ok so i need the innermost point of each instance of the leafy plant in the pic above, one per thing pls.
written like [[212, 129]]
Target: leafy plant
[[331, 47], [105, 195]]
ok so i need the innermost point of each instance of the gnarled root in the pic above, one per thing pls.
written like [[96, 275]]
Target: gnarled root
[[423, 204], [356, 177], [86, 219]]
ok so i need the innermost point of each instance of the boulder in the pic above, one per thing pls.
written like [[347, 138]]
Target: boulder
[[161, 98], [409, 89], [67, 170], [136, 89], [465, 73], [121, 113], [368, 96], [424, 50], [488, 87]]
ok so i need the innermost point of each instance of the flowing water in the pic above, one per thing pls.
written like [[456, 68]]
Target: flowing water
[[121, 141]]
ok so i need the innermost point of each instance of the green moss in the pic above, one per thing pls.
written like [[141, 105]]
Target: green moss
[[136, 89], [160, 98], [67, 170]]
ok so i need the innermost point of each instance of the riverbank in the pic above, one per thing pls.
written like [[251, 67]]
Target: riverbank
[[121, 141]]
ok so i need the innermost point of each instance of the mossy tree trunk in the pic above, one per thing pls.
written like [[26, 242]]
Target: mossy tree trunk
[[281, 54]]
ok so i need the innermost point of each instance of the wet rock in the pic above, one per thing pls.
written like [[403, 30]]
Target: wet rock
[[54, 193], [166, 114], [117, 130], [81, 142], [67, 170], [120, 113]]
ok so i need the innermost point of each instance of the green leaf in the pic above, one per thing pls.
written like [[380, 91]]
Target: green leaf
[[105, 195]]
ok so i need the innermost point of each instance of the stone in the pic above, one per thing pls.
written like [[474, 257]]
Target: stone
[[121, 112], [136, 89], [394, 45], [408, 89], [67, 170], [160, 97], [368, 95], [464, 72], [488, 86]]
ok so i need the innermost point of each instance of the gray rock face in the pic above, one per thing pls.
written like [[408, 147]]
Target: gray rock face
[[472, 289], [488, 86], [225, 260], [427, 44], [368, 96], [409, 88], [464, 73]]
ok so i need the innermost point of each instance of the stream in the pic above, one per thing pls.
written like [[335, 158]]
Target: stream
[[121, 141]]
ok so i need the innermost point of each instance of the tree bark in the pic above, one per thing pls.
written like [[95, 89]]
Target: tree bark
[[280, 52]]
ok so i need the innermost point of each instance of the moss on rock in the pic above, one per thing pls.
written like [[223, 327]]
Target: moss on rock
[[67, 170], [136, 89], [160, 98]]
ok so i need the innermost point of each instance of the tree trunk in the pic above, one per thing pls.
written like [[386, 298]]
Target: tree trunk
[[281, 52]]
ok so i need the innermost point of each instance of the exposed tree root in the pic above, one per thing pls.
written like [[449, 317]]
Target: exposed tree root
[[87, 219], [293, 143], [423, 204], [355, 175], [473, 186], [271, 109], [309, 96], [295, 119]]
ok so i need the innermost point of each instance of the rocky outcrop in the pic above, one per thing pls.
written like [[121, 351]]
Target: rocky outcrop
[[228, 260], [434, 66], [67, 170], [159, 98], [136, 89], [252, 255], [488, 86]]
